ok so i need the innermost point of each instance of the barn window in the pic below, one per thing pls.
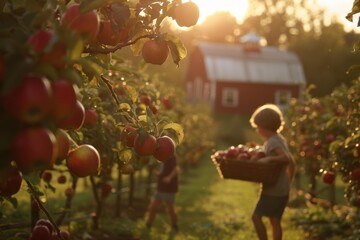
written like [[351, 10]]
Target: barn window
[[230, 97], [282, 98]]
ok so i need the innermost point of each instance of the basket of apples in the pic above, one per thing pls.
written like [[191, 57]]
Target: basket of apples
[[242, 162]]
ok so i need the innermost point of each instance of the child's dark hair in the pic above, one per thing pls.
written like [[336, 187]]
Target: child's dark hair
[[269, 117]]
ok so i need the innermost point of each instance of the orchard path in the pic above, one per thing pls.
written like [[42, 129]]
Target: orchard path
[[210, 208]]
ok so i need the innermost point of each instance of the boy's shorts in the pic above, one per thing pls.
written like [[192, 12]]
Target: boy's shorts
[[166, 197], [271, 206]]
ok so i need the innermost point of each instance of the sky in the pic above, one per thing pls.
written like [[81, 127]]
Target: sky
[[340, 8]]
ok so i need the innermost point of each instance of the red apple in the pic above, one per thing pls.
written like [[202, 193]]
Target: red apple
[[10, 181], [355, 174], [61, 179], [63, 233], [109, 35], [69, 192], [41, 232], [165, 148], [91, 117], [144, 144], [84, 161], [75, 120], [50, 53], [232, 152], [63, 101], [63, 144], [86, 24], [155, 51], [167, 102], [46, 176], [145, 99], [154, 108], [128, 135], [328, 177], [29, 102], [34, 148], [45, 222]]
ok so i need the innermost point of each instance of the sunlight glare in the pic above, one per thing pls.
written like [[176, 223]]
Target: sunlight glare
[[237, 8]]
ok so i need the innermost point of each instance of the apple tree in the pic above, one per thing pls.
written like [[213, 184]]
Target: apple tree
[[58, 62]]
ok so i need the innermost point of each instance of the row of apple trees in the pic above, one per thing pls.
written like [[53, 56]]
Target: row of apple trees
[[71, 104], [324, 137]]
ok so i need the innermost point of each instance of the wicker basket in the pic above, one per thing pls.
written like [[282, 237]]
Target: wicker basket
[[248, 170]]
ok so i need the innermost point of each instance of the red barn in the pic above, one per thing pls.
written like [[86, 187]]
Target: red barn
[[240, 77]]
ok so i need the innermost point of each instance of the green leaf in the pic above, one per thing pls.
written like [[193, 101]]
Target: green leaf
[[177, 48], [132, 93], [124, 107], [137, 46], [125, 155], [120, 14], [13, 201], [42, 16], [178, 130]]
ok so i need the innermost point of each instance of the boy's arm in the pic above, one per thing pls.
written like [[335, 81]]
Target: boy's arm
[[172, 174]]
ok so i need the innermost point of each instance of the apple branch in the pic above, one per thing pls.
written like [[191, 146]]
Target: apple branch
[[42, 207], [116, 47]]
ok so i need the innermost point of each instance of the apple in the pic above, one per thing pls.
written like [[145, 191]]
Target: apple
[[63, 233], [10, 181], [145, 99], [167, 103], [63, 101], [154, 109], [33, 148], [328, 177], [69, 192], [330, 138], [75, 120], [61, 179], [29, 102], [91, 117], [63, 144], [243, 156], [45, 222], [41, 232], [232, 152], [186, 14], [128, 135], [46, 176], [53, 54], [84, 161], [106, 189], [165, 148], [109, 35], [145, 144], [86, 24], [155, 51], [355, 174]]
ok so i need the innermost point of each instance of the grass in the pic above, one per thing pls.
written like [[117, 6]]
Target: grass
[[210, 208]]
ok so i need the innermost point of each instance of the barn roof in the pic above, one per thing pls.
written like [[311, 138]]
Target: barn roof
[[229, 62]]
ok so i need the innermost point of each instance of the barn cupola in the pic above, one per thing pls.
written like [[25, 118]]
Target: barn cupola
[[250, 42]]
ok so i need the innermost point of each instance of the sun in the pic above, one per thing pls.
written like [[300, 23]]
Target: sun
[[237, 8]]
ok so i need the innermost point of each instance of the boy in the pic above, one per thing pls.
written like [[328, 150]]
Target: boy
[[167, 187], [268, 121]]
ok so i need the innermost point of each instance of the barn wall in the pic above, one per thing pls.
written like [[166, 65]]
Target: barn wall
[[251, 95], [195, 68]]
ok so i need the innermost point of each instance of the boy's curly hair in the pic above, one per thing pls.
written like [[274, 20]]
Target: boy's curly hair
[[269, 117]]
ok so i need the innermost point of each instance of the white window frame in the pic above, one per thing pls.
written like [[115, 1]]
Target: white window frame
[[231, 94], [279, 94]]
